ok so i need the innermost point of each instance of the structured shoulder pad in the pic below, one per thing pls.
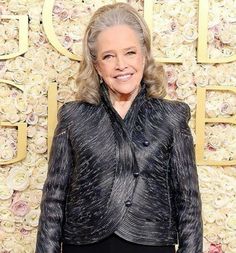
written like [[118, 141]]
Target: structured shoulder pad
[[64, 117]]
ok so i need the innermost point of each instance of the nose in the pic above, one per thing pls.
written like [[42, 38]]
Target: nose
[[121, 63]]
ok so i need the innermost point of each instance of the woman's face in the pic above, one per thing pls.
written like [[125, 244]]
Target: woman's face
[[120, 60]]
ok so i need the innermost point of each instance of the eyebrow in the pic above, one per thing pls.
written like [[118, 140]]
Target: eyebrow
[[125, 49]]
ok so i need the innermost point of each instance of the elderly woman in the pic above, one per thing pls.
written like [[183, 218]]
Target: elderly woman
[[122, 174]]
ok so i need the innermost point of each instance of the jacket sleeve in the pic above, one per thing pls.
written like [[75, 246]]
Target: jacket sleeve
[[54, 190], [186, 187]]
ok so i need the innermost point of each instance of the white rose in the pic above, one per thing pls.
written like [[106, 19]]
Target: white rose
[[18, 248], [220, 200], [184, 78], [6, 214], [190, 33], [231, 222], [18, 179], [17, 7], [213, 17], [31, 219], [38, 182], [30, 160], [21, 104], [201, 78], [8, 226], [211, 111], [206, 198], [11, 31], [62, 78], [32, 119], [225, 36], [40, 145], [35, 80], [214, 53], [63, 62], [9, 242], [226, 108], [38, 64], [5, 192], [33, 196], [7, 153], [185, 91], [11, 46], [41, 109]]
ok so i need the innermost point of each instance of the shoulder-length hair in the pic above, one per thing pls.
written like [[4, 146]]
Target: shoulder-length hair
[[88, 83]]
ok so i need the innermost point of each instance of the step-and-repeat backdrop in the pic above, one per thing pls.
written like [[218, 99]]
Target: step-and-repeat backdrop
[[40, 51]]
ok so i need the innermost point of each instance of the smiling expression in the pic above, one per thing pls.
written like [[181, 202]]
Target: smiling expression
[[120, 60]]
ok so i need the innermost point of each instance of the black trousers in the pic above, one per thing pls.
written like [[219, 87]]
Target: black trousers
[[115, 244]]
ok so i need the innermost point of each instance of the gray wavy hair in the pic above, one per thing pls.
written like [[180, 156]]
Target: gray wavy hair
[[87, 81]]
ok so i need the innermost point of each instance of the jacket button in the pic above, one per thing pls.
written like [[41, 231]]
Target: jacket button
[[136, 174], [146, 143], [128, 203]]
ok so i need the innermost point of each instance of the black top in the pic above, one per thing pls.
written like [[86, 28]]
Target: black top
[[115, 244]]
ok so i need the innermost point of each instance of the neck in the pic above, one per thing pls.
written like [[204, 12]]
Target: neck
[[122, 102]]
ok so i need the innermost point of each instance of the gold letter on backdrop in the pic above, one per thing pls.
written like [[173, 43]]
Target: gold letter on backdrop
[[202, 52], [52, 112], [49, 30], [200, 124], [23, 35], [148, 16], [21, 133]]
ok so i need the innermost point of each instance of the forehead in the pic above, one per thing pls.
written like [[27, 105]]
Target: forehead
[[117, 37]]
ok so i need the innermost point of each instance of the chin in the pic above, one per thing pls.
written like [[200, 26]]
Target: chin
[[128, 90]]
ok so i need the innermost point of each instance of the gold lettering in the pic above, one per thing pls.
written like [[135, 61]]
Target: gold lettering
[[21, 133], [200, 124], [202, 52], [23, 35], [49, 30], [148, 16]]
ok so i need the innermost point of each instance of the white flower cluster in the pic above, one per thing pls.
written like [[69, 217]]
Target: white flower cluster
[[222, 28], [66, 15], [220, 104], [70, 19], [218, 204], [220, 142], [9, 36], [175, 28], [8, 137]]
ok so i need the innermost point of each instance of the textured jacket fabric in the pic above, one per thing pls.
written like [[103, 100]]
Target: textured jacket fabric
[[134, 176]]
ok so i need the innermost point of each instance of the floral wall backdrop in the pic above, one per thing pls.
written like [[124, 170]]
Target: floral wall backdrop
[[175, 33]]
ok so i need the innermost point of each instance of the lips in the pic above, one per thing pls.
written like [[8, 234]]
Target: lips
[[124, 77]]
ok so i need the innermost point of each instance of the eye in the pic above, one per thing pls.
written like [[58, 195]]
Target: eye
[[107, 57], [131, 53]]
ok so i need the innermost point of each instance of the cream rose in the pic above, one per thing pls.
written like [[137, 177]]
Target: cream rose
[[31, 219], [7, 153], [231, 222], [32, 119], [18, 179], [5, 191], [6, 214], [190, 33], [8, 226], [20, 208]]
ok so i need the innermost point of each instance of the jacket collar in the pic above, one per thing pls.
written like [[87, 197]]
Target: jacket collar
[[130, 117]]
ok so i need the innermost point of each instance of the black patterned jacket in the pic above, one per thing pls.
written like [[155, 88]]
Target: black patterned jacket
[[134, 176]]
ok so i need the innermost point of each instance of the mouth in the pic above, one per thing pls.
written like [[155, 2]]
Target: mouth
[[124, 77]]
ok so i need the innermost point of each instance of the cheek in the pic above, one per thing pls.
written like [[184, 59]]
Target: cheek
[[104, 70]]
